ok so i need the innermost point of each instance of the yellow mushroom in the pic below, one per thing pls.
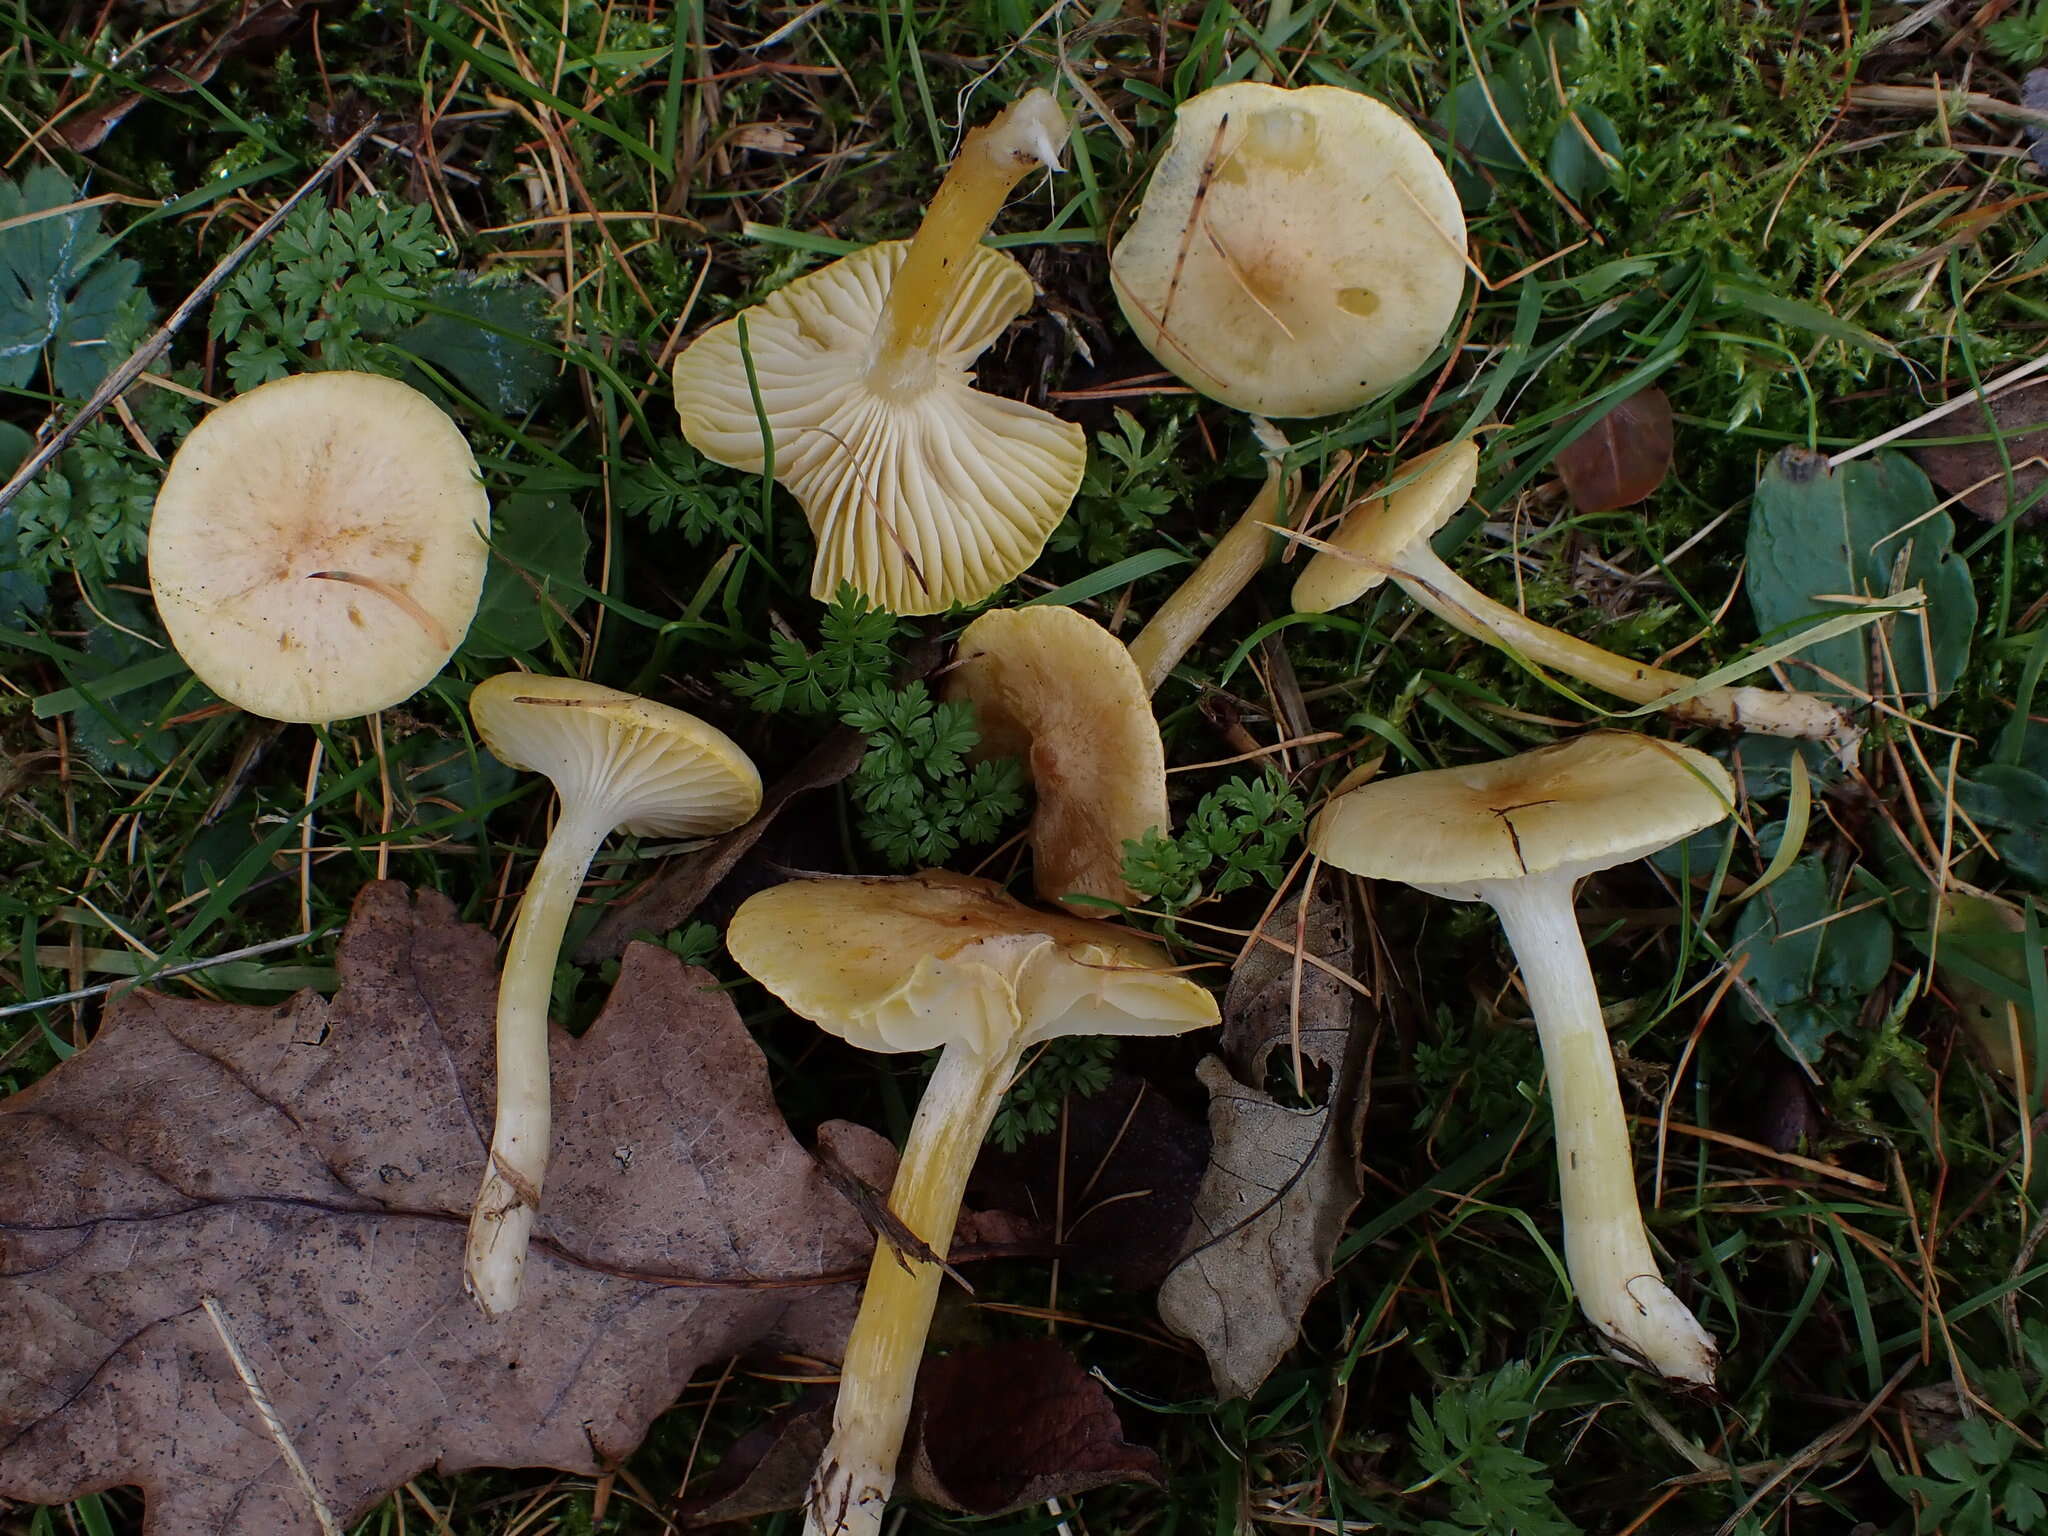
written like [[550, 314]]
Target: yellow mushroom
[[923, 492]]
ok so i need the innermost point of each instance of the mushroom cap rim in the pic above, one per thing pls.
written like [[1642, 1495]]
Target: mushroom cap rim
[[671, 742]]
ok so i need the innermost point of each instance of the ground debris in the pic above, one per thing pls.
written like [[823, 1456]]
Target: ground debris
[[231, 1237]]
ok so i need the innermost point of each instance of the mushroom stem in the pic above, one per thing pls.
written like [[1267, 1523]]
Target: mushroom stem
[[1774, 712], [1224, 572], [1605, 1247], [995, 157], [857, 1472], [501, 1221]]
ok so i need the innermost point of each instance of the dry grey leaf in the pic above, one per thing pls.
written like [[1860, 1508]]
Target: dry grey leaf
[[1281, 1181], [307, 1170], [996, 1429]]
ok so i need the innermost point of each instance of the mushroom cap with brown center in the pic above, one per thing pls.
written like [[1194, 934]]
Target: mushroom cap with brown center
[[1298, 250], [1566, 810], [939, 959], [1054, 688], [1377, 529], [925, 492], [318, 547], [642, 767]]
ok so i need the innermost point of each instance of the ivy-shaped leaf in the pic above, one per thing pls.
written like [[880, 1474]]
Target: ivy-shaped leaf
[[57, 292], [1812, 960], [1817, 535]]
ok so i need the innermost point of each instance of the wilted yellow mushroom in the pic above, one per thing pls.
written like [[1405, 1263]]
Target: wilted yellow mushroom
[[1056, 690], [1388, 535], [936, 961], [922, 491]]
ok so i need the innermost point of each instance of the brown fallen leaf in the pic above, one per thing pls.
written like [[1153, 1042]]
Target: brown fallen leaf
[[1013, 1425], [1114, 1185], [1281, 1181], [1975, 472], [1622, 457], [290, 1185], [993, 1430]]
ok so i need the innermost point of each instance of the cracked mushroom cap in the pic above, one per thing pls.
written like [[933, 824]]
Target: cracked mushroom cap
[[317, 549], [653, 771], [1377, 529], [1566, 810], [1054, 688], [925, 493], [937, 959], [1297, 252]]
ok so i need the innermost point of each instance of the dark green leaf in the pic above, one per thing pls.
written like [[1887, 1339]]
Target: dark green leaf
[[538, 542], [1585, 154], [489, 339], [103, 321], [53, 296], [1864, 530], [2012, 804], [1810, 965]]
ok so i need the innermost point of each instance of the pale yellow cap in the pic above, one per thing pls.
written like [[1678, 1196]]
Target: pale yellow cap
[[1297, 252], [941, 959], [1571, 809], [318, 546]]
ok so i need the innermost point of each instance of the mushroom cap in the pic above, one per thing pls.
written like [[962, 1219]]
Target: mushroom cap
[[1051, 686], [656, 771], [1566, 810], [1377, 530], [940, 959], [352, 477], [1297, 252], [923, 494]]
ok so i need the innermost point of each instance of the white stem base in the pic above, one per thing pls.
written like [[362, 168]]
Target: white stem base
[[507, 1205], [1606, 1249], [500, 1230]]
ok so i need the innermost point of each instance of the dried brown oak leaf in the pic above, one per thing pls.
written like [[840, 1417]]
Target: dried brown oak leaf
[[1114, 1182], [1281, 1180], [995, 1429], [308, 1169]]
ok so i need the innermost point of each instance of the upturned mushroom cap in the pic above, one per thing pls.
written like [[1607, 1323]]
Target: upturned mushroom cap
[[656, 771], [923, 495], [1566, 810], [1051, 686], [318, 546], [1297, 251], [1377, 529], [940, 959]]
